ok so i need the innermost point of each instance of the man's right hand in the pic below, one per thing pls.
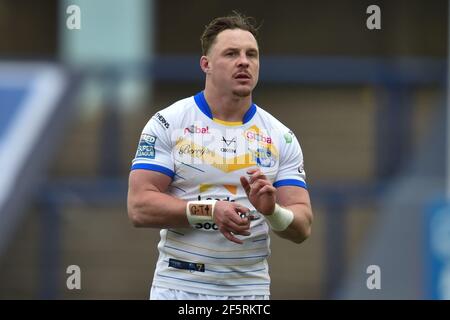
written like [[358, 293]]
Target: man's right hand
[[227, 216]]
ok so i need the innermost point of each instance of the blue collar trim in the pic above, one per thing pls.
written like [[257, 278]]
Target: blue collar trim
[[204, 107]]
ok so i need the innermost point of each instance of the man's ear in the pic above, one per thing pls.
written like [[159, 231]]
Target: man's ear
[[204, 64]]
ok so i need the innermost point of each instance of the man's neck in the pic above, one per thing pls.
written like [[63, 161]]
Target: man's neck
[[227, 107]]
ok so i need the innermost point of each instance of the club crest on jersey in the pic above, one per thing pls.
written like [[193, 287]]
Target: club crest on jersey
[[146, 148], [263, 157]]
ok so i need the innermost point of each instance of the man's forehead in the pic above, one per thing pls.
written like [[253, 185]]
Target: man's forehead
[[235, 38]]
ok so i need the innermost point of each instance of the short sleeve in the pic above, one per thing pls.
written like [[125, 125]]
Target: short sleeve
[[154, 151], [291, 171]]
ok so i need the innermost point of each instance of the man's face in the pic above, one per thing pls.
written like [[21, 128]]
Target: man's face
[[233, 62]]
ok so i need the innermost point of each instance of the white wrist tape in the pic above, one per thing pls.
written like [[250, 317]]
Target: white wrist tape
[[280, 219], [200, 211]]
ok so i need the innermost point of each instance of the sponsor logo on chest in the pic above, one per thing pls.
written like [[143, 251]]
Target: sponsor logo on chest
[[196, 129]]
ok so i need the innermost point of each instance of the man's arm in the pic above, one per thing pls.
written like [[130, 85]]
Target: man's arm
[[149, 206], [297, 200], [264, 196]]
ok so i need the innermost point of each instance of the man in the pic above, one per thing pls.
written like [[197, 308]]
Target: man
[[215, 173]]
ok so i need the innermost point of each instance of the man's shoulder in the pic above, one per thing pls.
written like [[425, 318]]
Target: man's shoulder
[[170, 117], [178, 107], [174, 112], [273, 121]]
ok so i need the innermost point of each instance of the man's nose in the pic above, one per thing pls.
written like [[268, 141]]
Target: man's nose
[[243, 60]]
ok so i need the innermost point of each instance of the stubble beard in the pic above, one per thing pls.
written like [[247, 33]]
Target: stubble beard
[[242, 93]]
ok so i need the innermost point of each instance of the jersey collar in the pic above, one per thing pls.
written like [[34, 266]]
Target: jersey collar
[[204, 107]]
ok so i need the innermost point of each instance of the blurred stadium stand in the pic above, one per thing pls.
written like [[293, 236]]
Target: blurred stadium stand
[[366, 106], [34, 110]]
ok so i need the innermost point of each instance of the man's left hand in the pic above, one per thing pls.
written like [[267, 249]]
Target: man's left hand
[[260, 191]]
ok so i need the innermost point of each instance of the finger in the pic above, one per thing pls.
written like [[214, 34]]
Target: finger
[[236, 223], [235, 230], [267, 189], [255, 187], [245, 184], [241, 209], [241, 228], [247, 217], [243, 212], [256, 176], [252, 171], [232, 238]]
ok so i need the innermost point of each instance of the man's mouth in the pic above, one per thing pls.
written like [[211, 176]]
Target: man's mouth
[[242, 75]]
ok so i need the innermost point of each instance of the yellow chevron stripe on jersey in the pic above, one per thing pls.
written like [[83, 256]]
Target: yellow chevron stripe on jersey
[[220, 162], [205, 187], [230, 188]]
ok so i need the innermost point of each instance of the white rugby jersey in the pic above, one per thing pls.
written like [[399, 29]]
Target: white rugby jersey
[[205, 158]]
